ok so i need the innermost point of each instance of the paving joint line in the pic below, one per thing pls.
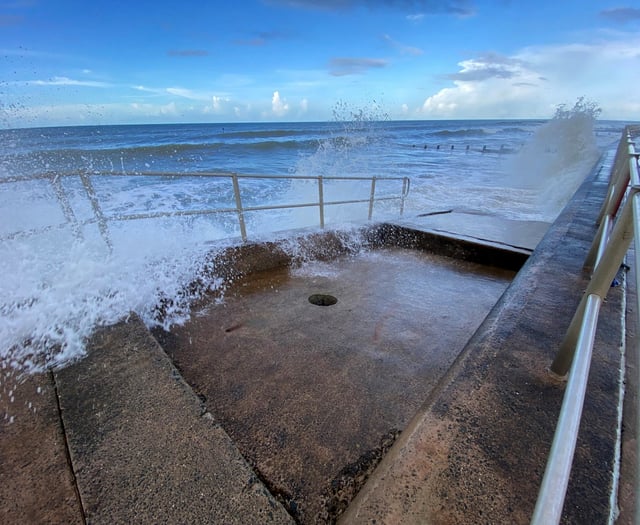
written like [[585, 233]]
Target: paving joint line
[[67, 451]]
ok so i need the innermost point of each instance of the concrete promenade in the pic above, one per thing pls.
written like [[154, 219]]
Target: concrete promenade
[[124, 436]]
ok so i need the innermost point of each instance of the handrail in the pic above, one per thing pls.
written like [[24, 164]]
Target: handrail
[[240, 210], [618, 221], [556, 477]]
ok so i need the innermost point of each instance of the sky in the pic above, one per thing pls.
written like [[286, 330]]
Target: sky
[[132, 62]]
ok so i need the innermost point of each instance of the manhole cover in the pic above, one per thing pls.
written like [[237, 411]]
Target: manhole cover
[[320, 299]]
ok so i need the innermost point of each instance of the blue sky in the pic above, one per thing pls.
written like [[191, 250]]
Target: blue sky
[[70, 62]]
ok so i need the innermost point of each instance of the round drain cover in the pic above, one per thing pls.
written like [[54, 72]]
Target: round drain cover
[[320, 299]]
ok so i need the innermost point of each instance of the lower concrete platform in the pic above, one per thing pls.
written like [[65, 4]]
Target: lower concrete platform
[[143, 447], [38, 485], [311, 394], [482, 229]]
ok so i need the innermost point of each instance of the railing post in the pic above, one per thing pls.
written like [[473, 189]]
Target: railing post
[[93, 199], [321, 200], [236, 194], [406, 184], [371, 197], [67, 210]]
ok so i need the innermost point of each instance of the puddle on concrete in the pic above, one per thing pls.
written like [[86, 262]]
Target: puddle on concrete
[[307, 392]]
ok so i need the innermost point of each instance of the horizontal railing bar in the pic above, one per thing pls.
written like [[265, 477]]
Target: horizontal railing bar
[[556, 477], [160, 214], [362, 201], [23, 178], [183, 213], [42, 176], [180, 213], [33, 231]]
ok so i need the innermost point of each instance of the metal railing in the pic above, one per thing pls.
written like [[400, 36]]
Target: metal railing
[[618, 224], [239, 209]]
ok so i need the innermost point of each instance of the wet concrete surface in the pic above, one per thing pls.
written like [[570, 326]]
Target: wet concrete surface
[[312, 395], [142, 447], [476, 452], [37, 485]]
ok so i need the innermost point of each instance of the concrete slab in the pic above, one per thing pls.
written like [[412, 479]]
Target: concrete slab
[[37, 484], [477, 451], [483, 229], [143, 449], [314, 395]]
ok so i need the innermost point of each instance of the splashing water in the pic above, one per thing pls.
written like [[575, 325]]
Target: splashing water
[[558, 158], [56, 287], [532, 183]]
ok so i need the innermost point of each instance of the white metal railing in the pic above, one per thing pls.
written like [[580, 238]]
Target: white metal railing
[[239, 209], [618, 223]]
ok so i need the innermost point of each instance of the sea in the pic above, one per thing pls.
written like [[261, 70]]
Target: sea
[[100, 221]]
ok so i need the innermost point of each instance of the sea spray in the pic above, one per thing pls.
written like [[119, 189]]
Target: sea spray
[[352, 150], [532, 180], [561, 153], [62, 291]]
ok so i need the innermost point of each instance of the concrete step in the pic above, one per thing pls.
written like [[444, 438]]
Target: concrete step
[[119, 437], [141, 445]]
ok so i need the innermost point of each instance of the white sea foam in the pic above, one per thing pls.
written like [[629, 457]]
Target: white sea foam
[[57, 289]]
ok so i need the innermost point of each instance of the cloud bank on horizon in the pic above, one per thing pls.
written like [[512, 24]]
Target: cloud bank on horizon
[[296, 59]]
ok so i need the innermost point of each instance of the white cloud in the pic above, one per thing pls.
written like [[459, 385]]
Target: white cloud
[[65, 81], [186, 93], [218, 103], [402, 48], [532, 82], [279, 106], [169, 109], [147, 89], [417, 18], [154, 110]]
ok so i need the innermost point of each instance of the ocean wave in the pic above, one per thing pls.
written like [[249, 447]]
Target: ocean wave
[[515, 130], [255, 134], [163, 150], [478, 132], [56, 286]]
